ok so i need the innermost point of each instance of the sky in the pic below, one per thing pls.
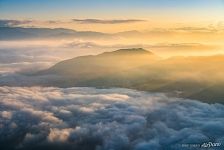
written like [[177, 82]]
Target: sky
[[144, 9], [155, 13]]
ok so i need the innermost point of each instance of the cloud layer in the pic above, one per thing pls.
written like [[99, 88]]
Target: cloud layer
[[18, 23], [103, 119], [101, 21], [13, 23], [27, 59]]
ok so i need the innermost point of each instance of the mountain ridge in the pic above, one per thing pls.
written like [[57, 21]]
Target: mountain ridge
[[136, 68], [120, 59]]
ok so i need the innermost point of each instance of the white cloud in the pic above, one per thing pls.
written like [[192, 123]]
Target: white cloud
[[59, 135], [6, 114], [102, 119]]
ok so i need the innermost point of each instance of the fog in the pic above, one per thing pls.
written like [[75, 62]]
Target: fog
[[23, 55]]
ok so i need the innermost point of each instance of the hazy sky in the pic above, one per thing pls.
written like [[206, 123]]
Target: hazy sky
[[144, 9], [155, 13]]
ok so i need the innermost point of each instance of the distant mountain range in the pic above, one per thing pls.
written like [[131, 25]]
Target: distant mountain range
[[189, 77], [20, 33]]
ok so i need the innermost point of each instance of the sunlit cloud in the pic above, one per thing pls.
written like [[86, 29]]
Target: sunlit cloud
[[101, 21], [195, 29]]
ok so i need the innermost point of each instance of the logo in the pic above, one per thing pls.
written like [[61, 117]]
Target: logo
[[210, 144]]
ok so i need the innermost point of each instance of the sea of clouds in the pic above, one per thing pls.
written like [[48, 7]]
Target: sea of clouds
[[105, 119]]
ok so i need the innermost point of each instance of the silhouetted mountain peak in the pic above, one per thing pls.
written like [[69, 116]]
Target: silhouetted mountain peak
[[130, 51]]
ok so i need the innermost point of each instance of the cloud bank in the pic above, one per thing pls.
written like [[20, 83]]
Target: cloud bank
[[101, 21], [13, 23], [103, 119], [27, 59], [18, 23]]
